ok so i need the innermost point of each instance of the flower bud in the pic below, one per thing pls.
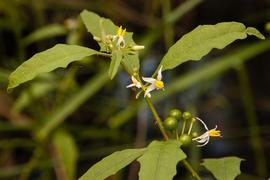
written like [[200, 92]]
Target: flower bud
[[97, 38], [137, 47], [186, 115], [185, 139]]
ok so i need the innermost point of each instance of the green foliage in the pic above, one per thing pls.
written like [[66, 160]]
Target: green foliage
[[160, 160], [111, 164], [227, 168], [67, 152], [116, 60], [200, 41], [101, 27], [58, 56], [210, 70]]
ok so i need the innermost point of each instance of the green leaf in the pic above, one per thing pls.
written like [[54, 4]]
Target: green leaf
[[115, 62], [160, 160], [131, 63], [100, 27], [66, 153], [254, 32], [44, 32], [200, 41], [226, 168], [112, 163], [58, 56]]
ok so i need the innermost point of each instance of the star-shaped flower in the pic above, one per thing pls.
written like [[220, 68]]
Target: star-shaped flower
[[154, 83], [135, 83], [204, 138], [120, 37]]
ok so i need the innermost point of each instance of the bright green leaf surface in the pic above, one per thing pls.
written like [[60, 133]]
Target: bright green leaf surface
[[67, 152], [111, 164], [227, 168], [160, 160], [131, 63], [58, 56], [115, 62], [200, 41], [100, 27]]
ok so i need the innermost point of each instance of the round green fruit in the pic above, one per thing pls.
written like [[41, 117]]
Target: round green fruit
[[175, 113], [186, 115], [170, 123], [185, 139]]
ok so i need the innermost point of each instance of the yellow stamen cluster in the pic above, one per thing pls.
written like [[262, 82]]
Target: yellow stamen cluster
[[121, 31], [159, 84], [214, 133]]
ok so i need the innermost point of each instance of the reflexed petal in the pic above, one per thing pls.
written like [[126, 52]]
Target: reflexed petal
[[149, 80], [129, 86], [202, 123], [201, 145], [149, 89], [159, 76]]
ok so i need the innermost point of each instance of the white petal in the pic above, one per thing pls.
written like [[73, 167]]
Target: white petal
[[203, 123], [121, 42], [149, 80], [159, 76], [203, 136], [149, 89], [201, 145], [129, 86], [138, 85]]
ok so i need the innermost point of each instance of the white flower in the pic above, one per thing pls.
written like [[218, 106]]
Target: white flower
[[204, 138], [154, 83], [135, 83], [120, 37]]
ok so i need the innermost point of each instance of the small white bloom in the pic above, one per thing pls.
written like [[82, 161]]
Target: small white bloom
[[204, 138], [120, 37], [154, 83], [135, 83]]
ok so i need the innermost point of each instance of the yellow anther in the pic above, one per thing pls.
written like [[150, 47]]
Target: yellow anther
[[214, 133], [119, 32], [124, 32], [159, 84]]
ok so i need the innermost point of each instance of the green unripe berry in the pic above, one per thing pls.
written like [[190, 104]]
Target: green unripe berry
[[185, 139], [175, 113], [193, 120], [194, 134], [170, 123], [186, 115]]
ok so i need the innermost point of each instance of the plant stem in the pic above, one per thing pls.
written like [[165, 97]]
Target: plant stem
[[184, 127], [157, 118], [161, 128], [191, 170]]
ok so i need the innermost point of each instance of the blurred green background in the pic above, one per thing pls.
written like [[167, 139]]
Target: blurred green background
[[61, 123]]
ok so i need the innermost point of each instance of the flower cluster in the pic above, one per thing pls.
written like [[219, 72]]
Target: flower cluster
[[153, 83]]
